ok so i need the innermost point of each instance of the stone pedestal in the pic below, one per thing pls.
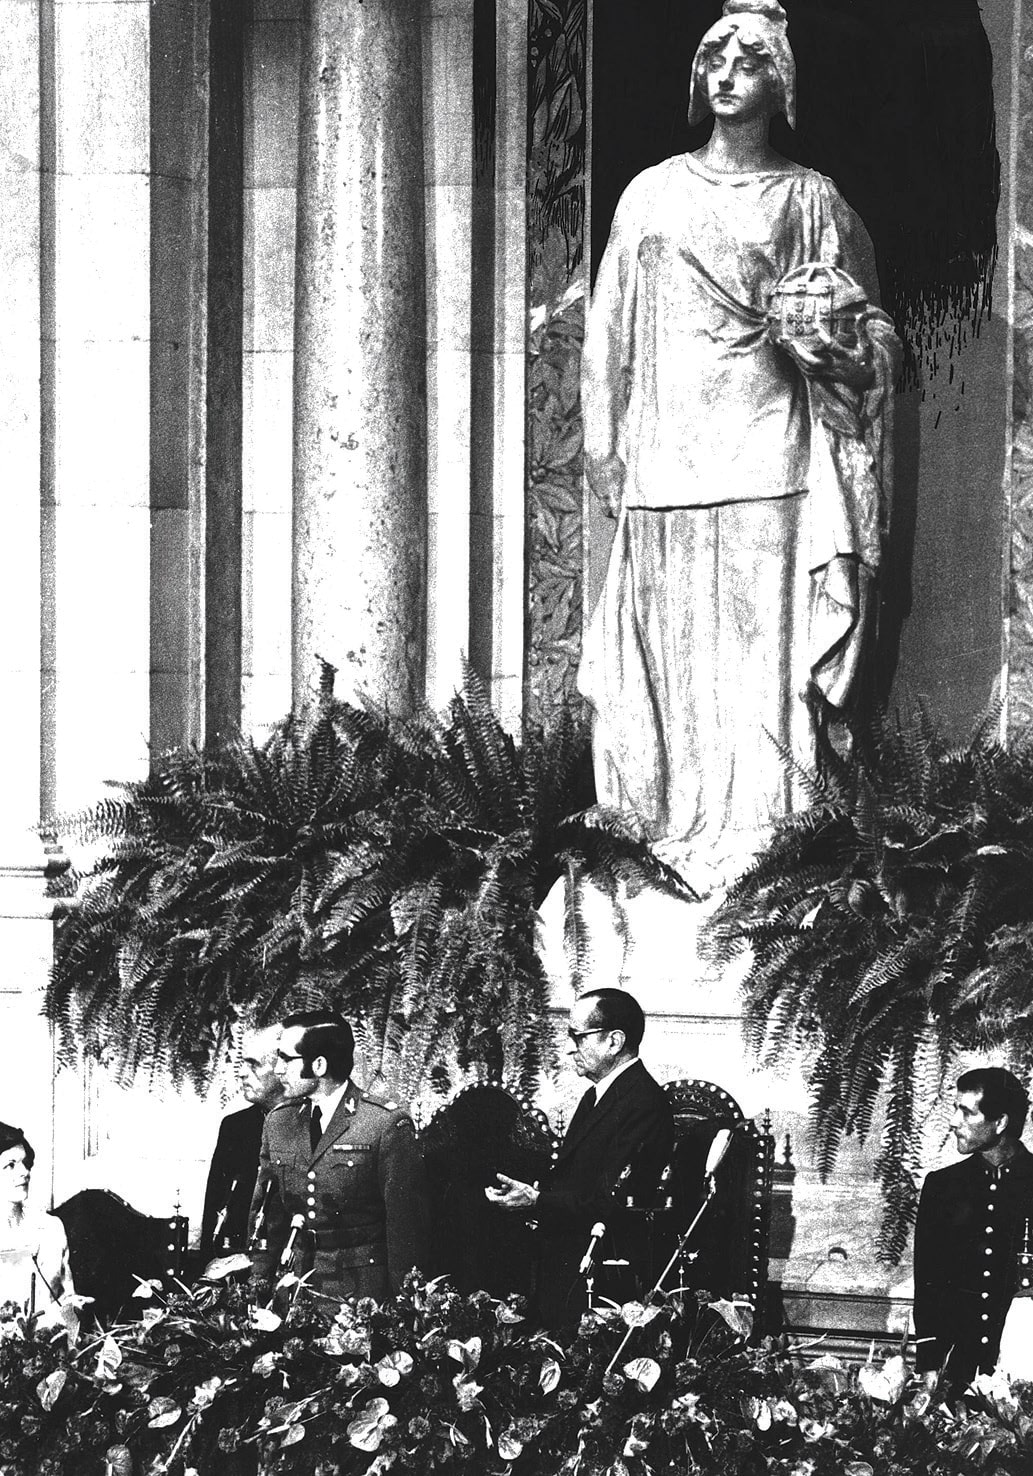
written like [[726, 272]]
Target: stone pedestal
[[360, 521]]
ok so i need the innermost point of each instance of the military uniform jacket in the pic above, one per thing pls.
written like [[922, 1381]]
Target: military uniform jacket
[[967, 1235], [361, 1192], [632, 1129]]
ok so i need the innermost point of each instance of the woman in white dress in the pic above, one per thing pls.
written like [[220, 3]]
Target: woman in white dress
[[34, 1266], [743, 468]]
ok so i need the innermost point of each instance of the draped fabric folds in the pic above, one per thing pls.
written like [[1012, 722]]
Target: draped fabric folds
[[750, 504]]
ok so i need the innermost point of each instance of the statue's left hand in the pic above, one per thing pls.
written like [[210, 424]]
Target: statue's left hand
[[820, 356]]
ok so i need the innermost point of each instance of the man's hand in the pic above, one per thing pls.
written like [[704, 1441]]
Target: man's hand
[[511, 1194]]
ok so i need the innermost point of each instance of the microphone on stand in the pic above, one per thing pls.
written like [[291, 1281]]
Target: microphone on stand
[[297, 1223], [718, 1149], [259, 1225], [223, 1215], [598, 1231]]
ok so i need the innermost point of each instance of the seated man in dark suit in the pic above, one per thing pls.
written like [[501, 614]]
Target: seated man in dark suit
[[234, 1169], [622, 1130]]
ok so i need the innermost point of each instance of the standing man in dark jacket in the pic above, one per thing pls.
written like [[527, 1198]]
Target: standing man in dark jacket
[[342, 1163], [970, 1219], [622, 1130], [234, 1167]]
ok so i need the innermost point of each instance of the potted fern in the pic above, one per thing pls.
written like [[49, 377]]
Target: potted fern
[[890, 930], [390, 866]]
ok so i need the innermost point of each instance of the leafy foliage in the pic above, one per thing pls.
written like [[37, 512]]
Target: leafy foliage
[[391, 867], [432, 1381], [891, 929]]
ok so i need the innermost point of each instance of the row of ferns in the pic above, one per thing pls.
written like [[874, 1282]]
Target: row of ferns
[[389, 867], [393, 867]]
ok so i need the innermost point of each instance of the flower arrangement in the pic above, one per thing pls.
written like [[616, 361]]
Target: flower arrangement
[[206, 1382]]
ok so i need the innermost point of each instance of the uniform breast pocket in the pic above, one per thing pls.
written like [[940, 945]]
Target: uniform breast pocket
[[289, 1173], [355, 1161]]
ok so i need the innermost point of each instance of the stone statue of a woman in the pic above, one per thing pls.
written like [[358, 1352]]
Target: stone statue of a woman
[[739, 449]]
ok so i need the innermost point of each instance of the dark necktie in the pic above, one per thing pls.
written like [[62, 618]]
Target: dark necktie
[[315, 1127]]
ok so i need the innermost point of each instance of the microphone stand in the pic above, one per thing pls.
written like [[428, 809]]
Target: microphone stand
[[256, 1237], [683, 1241], [587, 1267], [223, 1215], [287, 1254]]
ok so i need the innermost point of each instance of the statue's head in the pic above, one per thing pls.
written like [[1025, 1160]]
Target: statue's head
[[759, 28]]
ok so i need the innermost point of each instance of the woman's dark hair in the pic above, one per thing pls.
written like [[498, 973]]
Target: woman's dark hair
[[12, 1137]]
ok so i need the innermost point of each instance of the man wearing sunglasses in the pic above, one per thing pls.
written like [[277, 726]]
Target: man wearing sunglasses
[[343, 1163], [621, 1134]]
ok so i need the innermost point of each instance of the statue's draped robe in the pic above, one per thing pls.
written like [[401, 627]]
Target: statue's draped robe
[[750, 504]]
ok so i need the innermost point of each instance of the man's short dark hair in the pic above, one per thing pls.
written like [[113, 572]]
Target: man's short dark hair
[[1000, 1095], [616, 1009], [324, 1034]]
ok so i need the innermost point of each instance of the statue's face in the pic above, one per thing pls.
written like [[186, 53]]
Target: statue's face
[[739, 83]]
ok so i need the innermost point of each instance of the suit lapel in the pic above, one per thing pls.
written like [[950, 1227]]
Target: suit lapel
[[340, 1123], [581, 1125]]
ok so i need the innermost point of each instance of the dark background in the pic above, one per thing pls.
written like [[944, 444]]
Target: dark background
[[895, 103]]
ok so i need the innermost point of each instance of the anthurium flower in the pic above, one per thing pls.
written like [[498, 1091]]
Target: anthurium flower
[[108, 1359], [48, 1389], [392, 1367], [369, 1427], [643, 1371], [738, 1315], [265, 1319], [508, 1446], [549, 1375], [885, 1384], [637, 1314], [468, 1353], [466, 1391], [205, 1393], [162, 1412], [832, 1372]]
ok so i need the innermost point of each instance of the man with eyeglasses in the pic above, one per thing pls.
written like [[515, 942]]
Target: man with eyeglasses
[[621, 1134], [343, 1162]]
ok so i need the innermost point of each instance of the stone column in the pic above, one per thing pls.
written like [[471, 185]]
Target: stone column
[[360, 518], [1017, 259]]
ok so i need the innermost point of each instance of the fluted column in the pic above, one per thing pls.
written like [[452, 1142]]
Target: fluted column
[[360, 514]]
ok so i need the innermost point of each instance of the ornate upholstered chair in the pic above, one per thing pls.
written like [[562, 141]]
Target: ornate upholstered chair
[[729, 1249], [484, 1129], [110, 1244]]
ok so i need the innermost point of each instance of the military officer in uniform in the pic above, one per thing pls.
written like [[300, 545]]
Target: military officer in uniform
[[344, 1163], [967, 1235]]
